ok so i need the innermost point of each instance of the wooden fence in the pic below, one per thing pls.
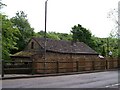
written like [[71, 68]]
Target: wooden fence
[[29, 67], [77, 66]]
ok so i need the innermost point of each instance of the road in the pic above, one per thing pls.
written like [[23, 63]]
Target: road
[[107, 79]]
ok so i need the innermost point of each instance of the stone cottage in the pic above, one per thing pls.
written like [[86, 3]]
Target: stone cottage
[[56, 51]]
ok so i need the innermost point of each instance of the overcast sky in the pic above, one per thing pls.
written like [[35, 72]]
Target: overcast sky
[[64, 14]]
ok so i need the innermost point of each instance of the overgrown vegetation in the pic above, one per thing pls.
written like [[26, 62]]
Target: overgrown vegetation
[[16, 32]]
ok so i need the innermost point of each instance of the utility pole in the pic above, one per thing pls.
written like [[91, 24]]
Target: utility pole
[[45, 37]]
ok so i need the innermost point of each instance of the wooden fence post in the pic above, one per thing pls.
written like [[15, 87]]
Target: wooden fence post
[[33, 72], [57, 65], [117, 64], [3, 63], [106, 65], [93, 65], [113, 67], [77, 66]]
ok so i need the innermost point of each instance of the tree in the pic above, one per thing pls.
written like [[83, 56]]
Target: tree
[[2, 5], [113, 46], [54, 35], [115, 33], [82, 34], [113, 15], [26, 32], [9, 36], [65, 36], [103, 51]]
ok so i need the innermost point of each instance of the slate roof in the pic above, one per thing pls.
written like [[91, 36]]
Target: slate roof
[[62, 46]]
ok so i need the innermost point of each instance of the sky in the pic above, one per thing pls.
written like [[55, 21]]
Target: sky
[[62, 15]]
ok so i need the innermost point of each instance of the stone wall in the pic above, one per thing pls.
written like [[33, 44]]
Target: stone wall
[[64, 57]]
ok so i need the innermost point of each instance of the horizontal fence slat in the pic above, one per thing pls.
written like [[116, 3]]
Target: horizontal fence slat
[[17, 61], [17, 68]]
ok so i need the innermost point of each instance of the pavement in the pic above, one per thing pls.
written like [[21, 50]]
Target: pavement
[[107, 79], [19, 76]]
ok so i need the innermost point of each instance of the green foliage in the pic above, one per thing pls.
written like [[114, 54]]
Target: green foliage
[[97, 44], [105, 45], [114, 34], [40, 34], [26, 32], [100, 45], [9, 33], [17, 32], [82, 34], [103, 53], [113, 46], [54, 35], [64, 36]]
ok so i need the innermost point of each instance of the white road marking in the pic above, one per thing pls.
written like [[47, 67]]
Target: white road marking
[[112, 85], [106, 86]]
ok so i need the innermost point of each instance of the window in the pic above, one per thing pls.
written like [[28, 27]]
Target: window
[[32, 45]]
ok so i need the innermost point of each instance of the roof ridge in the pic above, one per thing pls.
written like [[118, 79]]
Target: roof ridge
[[57, 40]]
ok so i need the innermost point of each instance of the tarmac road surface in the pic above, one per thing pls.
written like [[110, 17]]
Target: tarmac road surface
[[108, 79]]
